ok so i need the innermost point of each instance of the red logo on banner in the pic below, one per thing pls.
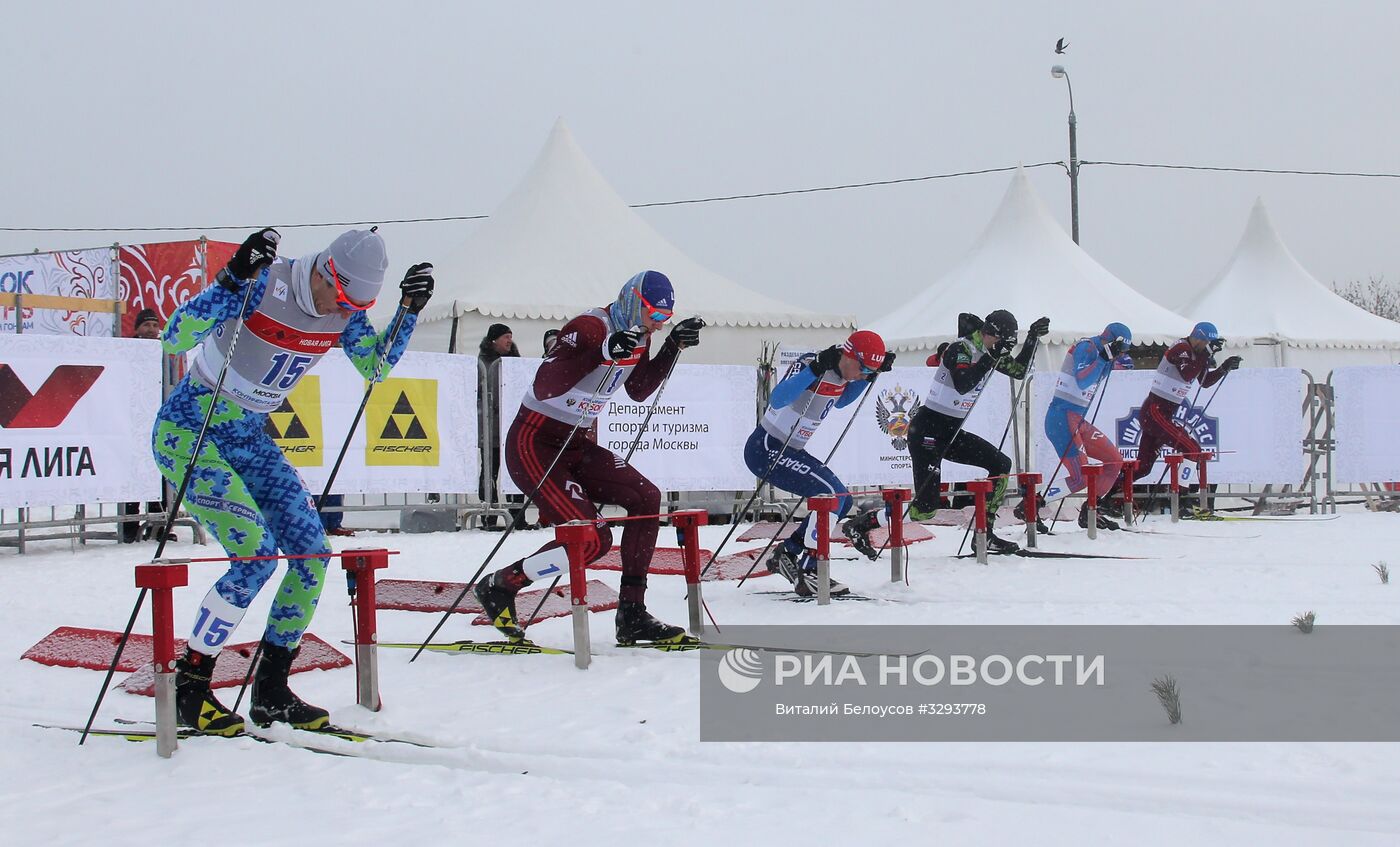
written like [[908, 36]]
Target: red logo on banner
[[49, 406]]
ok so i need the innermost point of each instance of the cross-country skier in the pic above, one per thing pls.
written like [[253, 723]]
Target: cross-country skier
[[816, 384], [1066, 419], [1187, 361], [241, 487], [548, 455], [936, 432]]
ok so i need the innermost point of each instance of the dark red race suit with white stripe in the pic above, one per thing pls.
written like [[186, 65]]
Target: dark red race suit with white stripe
[[573, 385], [1180, 366]]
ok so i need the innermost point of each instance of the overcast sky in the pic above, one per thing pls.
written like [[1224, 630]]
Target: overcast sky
[[197, 114]]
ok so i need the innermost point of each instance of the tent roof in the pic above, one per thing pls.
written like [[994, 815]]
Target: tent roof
[[1023, 261], [564, 241], [1264, 292]]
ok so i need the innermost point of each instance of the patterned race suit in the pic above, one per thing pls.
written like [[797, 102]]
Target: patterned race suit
[[1180, 366], [241, 488]]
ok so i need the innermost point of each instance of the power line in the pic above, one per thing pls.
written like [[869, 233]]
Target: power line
[[450, 218], [722, 198], [1221, 168]]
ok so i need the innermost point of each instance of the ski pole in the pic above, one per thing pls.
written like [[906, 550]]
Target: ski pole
[[179, 498], [801, 500], [335, 469]]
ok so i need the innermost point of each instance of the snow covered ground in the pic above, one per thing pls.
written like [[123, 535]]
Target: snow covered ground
[[535, 751]]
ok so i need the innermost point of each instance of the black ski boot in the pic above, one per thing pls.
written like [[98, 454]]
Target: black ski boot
[[857, 531], [498, 601], [1103, 521], [783, 563], [997, 545], [271, 699], [1020, 513], [635, 624], [806, 586], [195, 704]]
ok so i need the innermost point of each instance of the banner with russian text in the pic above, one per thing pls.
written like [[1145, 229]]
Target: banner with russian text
[[694, 441], [75, 420]]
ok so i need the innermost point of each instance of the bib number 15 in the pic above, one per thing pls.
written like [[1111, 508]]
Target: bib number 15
[[286, 370]]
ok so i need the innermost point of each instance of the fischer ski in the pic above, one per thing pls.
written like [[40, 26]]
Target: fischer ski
[[144, 731], [1047, 554], [499, 648]]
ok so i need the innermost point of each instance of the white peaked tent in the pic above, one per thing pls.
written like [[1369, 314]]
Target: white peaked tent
[[1266, 300], [1024, 262], [563, 242]]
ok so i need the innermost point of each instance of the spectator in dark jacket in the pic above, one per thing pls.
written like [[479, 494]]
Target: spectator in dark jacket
[[499, 343]]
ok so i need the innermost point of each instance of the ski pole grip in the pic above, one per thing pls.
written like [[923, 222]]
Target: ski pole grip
[[895, 498], [980, 488], [822, 506]]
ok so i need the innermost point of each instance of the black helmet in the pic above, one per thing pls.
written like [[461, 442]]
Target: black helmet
[[1000, 323]]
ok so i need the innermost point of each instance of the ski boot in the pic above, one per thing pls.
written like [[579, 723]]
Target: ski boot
[[498, 602], [857, 531], [271, 699], [634, 624], [997, 545], [784, 563], [1020, 513], [1103, 521], [195, 704], [806, 584]]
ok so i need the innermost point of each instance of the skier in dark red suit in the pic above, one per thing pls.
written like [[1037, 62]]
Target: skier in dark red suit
[[549, 457], [1186, 362]]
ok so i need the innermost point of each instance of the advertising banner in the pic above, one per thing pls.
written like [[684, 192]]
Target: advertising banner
[[75, 420], [84, 274], [695, 440], [418, 433], [1252, 420], [163, 276], [1367, 407]]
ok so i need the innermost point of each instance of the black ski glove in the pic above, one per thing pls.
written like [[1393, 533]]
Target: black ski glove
[[622, 343], [1217, 344], [885, 366], [1232, 363], [1003, 348], [417, 287], [254, 254], [687, 332], [827, 360], [1038, 329]]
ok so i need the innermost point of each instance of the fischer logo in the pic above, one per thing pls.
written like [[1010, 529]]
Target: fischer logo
[[51, 404]]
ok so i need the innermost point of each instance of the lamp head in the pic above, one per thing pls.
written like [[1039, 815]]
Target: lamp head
[[1057, 71]]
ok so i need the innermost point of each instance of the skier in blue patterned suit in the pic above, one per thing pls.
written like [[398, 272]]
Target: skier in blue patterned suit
[[833, 378], [241, 487]]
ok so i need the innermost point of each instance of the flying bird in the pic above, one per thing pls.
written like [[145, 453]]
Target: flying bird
[[1061, 46]]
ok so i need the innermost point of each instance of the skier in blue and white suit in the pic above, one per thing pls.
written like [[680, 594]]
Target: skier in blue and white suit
[[818, 383], [1086, 365]]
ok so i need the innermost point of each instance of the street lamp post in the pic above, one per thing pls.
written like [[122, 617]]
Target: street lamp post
[[1057, 72]]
